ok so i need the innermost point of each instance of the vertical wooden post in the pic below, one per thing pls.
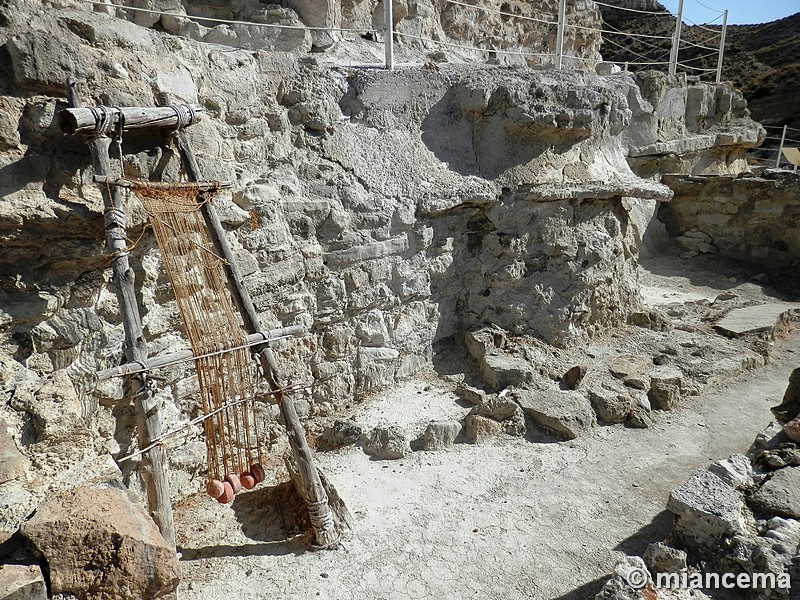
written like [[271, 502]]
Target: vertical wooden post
[[148, 420], [314, 493]]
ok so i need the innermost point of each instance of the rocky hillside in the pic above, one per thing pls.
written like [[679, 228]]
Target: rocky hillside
[[761, 60]]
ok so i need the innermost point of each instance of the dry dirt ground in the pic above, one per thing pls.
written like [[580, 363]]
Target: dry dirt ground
[[513, 518]]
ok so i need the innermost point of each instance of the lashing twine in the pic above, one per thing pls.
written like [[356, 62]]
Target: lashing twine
[[321, 517]]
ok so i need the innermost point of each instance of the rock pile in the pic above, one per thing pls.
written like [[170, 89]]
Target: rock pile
[[739, 516]]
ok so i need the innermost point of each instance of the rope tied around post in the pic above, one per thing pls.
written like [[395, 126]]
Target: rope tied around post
[[321, 517], [104, 120], [185, 115]]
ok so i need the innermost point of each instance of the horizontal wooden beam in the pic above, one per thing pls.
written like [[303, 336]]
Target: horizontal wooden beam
[[102, 120], [165, 360], [203, 186]]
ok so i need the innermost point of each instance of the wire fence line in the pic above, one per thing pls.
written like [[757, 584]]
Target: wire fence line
[[559, 21], [787, 147]]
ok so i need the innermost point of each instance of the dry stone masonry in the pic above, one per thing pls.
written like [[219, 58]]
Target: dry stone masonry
[[482, 209]]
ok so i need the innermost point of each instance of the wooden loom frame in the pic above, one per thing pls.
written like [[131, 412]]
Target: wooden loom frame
[[77, 119]]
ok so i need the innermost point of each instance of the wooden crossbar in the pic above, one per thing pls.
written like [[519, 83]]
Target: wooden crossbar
[[173, 358], [203, 186], [102, 119]]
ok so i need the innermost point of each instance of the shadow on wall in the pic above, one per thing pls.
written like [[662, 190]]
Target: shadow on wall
[[485, 137]]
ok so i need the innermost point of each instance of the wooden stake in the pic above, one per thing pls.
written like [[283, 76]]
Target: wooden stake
[[148, 421], [314, 493]]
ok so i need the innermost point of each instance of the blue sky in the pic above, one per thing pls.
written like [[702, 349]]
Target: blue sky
[[740, 12]]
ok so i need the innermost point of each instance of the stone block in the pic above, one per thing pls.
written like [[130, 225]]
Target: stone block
[[567, 414], [386, 443], [440, 435], [706, 509]]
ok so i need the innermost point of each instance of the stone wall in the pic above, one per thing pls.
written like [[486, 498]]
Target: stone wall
[[752, 218], [523, 28], [389, 213], [682, 126]]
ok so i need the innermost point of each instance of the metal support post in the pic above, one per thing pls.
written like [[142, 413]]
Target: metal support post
[[562, 18], [676, 40], [722, 45], [388, 35], [780, 150]]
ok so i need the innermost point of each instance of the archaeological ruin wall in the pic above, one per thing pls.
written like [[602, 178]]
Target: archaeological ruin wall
[[388, 213]]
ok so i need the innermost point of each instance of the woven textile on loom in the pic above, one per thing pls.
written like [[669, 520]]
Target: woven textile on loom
[[226, 371]]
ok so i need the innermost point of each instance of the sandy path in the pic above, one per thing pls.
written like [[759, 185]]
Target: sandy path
[[510, 519]]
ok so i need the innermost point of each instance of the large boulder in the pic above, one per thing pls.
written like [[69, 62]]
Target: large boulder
[[101, 543]]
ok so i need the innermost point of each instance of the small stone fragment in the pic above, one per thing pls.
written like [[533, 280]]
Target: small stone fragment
[[780, 495], [573, 377], [789, 408], [664, 396], [386, 443], [567, 414], [735, 470], [661, 558], [470, 394], [640, 418], [440, 435], [479, 429], [22, 582], [792, 429], [341, 433]]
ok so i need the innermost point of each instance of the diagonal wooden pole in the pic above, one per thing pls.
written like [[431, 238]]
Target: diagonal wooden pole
[[148, 420], [315, 497]]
